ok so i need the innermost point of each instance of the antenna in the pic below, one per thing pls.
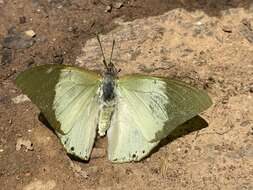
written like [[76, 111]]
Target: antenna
[[113, 43], [106, 66]]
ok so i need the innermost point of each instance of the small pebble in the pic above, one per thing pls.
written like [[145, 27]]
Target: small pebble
[[22, 19], [30, 33], [16, 40], [118, 5], [19, 99], [27, 144], [245, 123], [227, 28], [211, 79], [199, 23], [108, 9], [251, 89], [247, 23]]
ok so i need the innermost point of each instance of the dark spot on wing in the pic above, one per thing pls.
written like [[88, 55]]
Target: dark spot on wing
[[134, 155], [72, 148], [143, 151]]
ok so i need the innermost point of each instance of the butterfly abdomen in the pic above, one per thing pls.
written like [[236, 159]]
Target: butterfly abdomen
[[105, 115]]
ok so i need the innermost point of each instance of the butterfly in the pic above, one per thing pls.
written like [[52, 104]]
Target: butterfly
[[135, 112]]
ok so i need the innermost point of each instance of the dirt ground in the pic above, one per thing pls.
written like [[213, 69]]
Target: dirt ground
[[208, 43]]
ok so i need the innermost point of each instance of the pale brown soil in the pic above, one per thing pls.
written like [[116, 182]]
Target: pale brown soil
[[206, 43]]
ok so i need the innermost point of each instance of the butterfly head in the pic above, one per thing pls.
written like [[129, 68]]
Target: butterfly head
[[110, 68]]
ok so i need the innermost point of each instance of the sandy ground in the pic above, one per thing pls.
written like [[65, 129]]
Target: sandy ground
[[208, 44]]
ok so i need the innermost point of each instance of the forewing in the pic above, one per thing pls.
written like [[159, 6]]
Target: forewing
[[68, 97], [159, 105], [57, 90]]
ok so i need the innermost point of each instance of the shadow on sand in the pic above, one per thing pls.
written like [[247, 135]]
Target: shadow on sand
[[195, 124]]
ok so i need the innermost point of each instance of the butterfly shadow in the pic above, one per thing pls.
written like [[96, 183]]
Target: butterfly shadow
[[195, 124]]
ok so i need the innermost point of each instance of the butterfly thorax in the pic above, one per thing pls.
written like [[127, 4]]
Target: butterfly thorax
[[108, 86], [107, 105]]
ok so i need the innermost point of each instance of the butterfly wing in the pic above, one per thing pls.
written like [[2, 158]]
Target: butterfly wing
[[150, 107], [68, 97], [80, 139], [125, 141]]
